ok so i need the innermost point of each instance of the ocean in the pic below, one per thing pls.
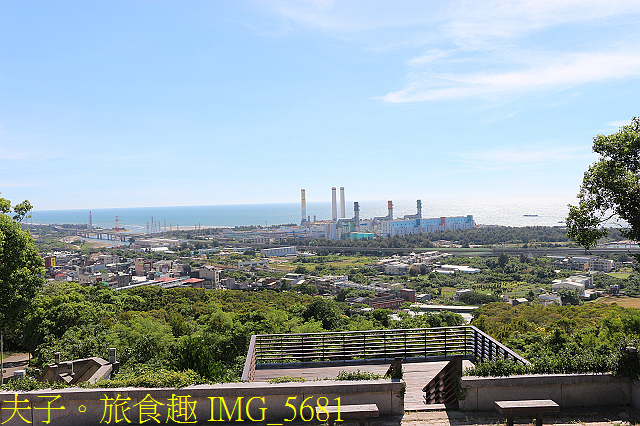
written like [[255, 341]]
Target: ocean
[[550, 211]]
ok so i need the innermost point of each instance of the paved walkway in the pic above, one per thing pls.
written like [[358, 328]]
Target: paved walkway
[[13, 363], [416, 376], [618, 416]]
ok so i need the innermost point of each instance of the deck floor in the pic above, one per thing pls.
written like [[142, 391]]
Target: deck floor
[[416, 376]]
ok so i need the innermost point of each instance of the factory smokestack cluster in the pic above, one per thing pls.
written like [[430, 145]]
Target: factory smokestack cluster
[[334, 206]]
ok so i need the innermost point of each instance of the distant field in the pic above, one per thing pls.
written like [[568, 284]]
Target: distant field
[[624, 301], [621, 275]]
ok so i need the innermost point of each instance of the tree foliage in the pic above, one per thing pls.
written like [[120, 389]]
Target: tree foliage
[[610, 188], [21, 269]]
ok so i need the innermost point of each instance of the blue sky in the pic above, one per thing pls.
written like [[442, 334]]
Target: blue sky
[[138, 103]]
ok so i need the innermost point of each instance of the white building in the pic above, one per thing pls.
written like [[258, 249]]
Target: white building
[[253, 263], [452, 269], [548, 299], [279, 251], [576, 282], [605, 265]]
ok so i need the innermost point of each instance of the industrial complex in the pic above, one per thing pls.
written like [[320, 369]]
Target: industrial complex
[[386, 226]]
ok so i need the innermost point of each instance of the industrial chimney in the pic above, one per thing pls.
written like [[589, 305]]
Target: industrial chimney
[[303, 202], [334, 207], [390, 208], [419, 212], [356, 216], [342, 206]]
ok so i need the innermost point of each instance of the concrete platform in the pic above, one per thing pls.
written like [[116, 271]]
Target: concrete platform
[[416, 376]]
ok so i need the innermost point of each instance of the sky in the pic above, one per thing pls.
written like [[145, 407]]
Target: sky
[[171, 103]]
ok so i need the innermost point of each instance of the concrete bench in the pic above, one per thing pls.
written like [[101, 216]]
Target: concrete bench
[[360, 412], [528, 406]]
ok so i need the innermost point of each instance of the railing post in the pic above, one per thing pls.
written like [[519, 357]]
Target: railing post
[[475, 343], [490, 349], [405, 344], [323, 348], [364, 345], [482, 347], [424, 342], [384, 343], [445, 342], [464, 339]]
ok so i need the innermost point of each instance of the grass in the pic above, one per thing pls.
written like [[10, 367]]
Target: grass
[[624, 301], [621, 275]]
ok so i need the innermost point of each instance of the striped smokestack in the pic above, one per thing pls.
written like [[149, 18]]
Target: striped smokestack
[[356, 216], [334, 207], [390, 208], [303, 202]]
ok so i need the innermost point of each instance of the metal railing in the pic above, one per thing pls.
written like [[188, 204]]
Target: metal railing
[[280, 349]]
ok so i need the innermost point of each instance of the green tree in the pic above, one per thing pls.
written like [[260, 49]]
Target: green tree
[[21, 269], [503, 259], [326, 311], [610, 188]]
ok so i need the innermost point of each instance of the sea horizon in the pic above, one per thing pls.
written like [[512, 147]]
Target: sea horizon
[[541, 211]]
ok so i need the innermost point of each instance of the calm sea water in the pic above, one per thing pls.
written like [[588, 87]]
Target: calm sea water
[[503, 211]]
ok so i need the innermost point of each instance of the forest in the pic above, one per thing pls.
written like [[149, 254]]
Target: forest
[[182, 335], [591, 338]]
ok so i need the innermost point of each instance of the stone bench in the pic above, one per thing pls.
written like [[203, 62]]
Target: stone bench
[[528, 406], [360, 412]]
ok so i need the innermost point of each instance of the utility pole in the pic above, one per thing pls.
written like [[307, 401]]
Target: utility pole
[[1, 358]]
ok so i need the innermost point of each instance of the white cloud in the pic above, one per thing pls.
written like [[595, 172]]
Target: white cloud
[[352, 16], [428, 57], [472, 23], [554, 73], [499, 159], [487, 48], [618, 123], [462, 19]]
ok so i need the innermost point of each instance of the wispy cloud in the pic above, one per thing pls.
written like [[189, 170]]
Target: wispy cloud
[[501, 159], [490, 48], [553, 73], [618, 123]]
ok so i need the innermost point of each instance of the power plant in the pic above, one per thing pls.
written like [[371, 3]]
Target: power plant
[[385, 226]]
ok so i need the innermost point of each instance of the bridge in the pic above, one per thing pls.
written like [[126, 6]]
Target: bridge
[[108, 234]]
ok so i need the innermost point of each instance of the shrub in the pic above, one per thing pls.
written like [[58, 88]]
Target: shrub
[[150, 377], [357, 375], [497, 368], [194, 354], [286, 379], [29, 383]]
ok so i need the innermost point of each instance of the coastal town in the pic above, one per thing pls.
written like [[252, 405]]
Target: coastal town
[[320, 212], [175, 262]]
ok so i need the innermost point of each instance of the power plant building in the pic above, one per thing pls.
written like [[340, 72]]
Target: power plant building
[[384, 226]]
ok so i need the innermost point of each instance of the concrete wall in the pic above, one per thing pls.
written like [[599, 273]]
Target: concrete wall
[[568, 390], [195, 403]]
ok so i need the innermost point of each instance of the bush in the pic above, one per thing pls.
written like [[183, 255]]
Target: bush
[[498, 368], [29, 383], [286, 379], [151, 377], [357, 375], [194, 354], [626, 359]]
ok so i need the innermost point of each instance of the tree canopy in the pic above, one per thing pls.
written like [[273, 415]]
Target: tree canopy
[[610, 188], [21, 268]]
